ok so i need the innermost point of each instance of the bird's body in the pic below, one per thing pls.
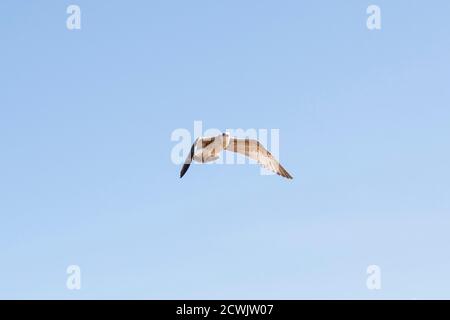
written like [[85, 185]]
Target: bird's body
[[208, 149]]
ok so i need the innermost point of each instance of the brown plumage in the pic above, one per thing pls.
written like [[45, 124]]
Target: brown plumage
[[207, 149], [256, 151]]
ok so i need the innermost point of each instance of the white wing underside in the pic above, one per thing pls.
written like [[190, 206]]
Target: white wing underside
[[255, 150]]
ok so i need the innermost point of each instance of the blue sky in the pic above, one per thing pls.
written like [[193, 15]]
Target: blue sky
[[86, 176]]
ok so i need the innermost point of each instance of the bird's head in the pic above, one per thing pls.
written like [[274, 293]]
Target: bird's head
[[225, 139]]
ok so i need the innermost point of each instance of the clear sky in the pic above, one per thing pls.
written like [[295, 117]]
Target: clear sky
[[86, 176]]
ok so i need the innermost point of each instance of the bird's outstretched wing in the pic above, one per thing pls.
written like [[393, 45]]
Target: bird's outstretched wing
[[188, 160], [255, 150]]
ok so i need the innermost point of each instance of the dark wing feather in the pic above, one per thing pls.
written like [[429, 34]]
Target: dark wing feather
[[207, 141], [188, 160]]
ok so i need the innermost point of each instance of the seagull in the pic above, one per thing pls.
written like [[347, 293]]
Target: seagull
[[207, 149]]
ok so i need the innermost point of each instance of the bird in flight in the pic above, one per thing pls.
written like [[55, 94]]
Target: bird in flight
[[207, 149]]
